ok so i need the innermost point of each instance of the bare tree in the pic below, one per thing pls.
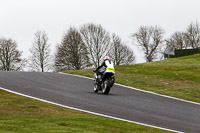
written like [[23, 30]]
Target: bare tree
[[40, 59], [10, 57], [192, 35], [120, 53], [150, 39], [72, 52], [97, 40], [177, 41]]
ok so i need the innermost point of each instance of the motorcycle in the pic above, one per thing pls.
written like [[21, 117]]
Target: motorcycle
[[105, 84]]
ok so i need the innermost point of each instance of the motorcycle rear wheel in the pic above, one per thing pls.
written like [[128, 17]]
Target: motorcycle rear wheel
[[106, 87]]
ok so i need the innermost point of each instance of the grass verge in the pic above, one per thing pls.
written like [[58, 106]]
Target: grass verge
[[177, 77], [24, 115]]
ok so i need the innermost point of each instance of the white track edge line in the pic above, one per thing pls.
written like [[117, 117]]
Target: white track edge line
[[138, 90], [90, 112]]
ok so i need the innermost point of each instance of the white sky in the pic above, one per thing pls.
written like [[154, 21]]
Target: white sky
[[20, 19]]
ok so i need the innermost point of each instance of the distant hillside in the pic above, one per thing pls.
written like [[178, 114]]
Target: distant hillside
[[177, 77]]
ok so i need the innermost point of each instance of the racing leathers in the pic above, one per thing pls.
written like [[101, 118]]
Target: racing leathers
[[109, 69]]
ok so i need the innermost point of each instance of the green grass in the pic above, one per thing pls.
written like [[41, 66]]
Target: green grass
[[24, 115], [177, 77]]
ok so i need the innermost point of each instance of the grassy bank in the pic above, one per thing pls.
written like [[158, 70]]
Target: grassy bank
[[24, 115], [178, 77]]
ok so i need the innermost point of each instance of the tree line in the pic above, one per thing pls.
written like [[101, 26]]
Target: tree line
[[86, 47], [80, 48]]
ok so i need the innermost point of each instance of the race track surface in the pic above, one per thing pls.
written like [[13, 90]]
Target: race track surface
[[122, 102]]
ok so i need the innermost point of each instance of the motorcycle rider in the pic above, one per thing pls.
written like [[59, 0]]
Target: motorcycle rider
[[109, 69]]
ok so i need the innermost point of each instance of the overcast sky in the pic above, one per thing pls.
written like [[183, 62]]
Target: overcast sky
[[20, 19]]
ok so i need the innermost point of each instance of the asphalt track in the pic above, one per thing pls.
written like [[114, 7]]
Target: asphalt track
[[122, 102]]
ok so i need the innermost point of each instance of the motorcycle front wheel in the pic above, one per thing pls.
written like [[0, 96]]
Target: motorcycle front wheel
[[95, 88]]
